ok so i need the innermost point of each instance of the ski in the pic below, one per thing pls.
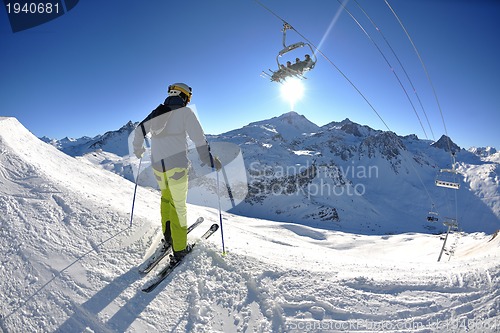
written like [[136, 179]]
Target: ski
[[165, 272], [148, 265]]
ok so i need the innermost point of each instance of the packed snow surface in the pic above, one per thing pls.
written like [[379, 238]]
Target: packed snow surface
[[69, 264]]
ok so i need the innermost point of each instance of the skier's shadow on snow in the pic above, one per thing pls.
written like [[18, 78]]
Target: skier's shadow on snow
[[86, 317]]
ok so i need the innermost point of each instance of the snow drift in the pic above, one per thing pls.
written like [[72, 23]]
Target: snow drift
[[69, 264]]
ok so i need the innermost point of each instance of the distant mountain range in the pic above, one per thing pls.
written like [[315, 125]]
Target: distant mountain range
[[112, 141], [343, 175]]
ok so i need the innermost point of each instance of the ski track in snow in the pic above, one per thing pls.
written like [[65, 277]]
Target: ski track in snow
[[69, 264]]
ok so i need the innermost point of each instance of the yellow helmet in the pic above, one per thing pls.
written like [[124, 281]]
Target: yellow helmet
[[182, 90]]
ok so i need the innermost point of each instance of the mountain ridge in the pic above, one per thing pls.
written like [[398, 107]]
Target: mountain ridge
[[107, 141], [357, 179], [88, 144]]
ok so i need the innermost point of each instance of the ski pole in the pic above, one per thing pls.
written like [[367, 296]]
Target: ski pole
[[220, 216], [220, 210], [135, 192], [228, 187], [137, 183]]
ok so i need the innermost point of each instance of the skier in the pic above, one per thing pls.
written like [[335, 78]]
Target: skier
[[169, 125]]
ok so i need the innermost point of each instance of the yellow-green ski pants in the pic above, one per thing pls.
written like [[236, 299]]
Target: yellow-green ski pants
[[174, 188]]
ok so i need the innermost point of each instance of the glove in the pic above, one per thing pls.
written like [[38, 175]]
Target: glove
[[139, 151], [217, 163]]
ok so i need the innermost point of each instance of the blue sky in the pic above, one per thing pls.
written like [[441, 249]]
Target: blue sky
[[107, 62]]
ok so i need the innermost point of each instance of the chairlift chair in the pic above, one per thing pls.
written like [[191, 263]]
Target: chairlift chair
[[295, 70], [450, 222], [448, 178], [433, 215]]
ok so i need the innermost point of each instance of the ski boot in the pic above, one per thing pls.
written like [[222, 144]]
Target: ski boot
[[179, 255]]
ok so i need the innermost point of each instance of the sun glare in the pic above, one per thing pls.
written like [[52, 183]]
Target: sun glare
[[292, 91]]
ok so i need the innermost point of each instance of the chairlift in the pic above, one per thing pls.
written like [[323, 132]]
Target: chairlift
[[433, 215], [450, 222], [448, 178], [297, 69]]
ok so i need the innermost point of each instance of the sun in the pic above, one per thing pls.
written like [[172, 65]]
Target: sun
[[292, 91]]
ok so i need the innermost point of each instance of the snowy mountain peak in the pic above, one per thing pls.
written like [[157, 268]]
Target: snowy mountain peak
[[446, 144], [355, 129], [128, 127], [337, 124], [343, 122], [350, 127], [112, 141], [291, 118], [483, 151], [288, 126]]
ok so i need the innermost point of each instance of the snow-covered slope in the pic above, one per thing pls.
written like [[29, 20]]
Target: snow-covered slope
[[69, 264]]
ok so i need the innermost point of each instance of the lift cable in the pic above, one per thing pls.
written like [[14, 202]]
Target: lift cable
[[401, 65]]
